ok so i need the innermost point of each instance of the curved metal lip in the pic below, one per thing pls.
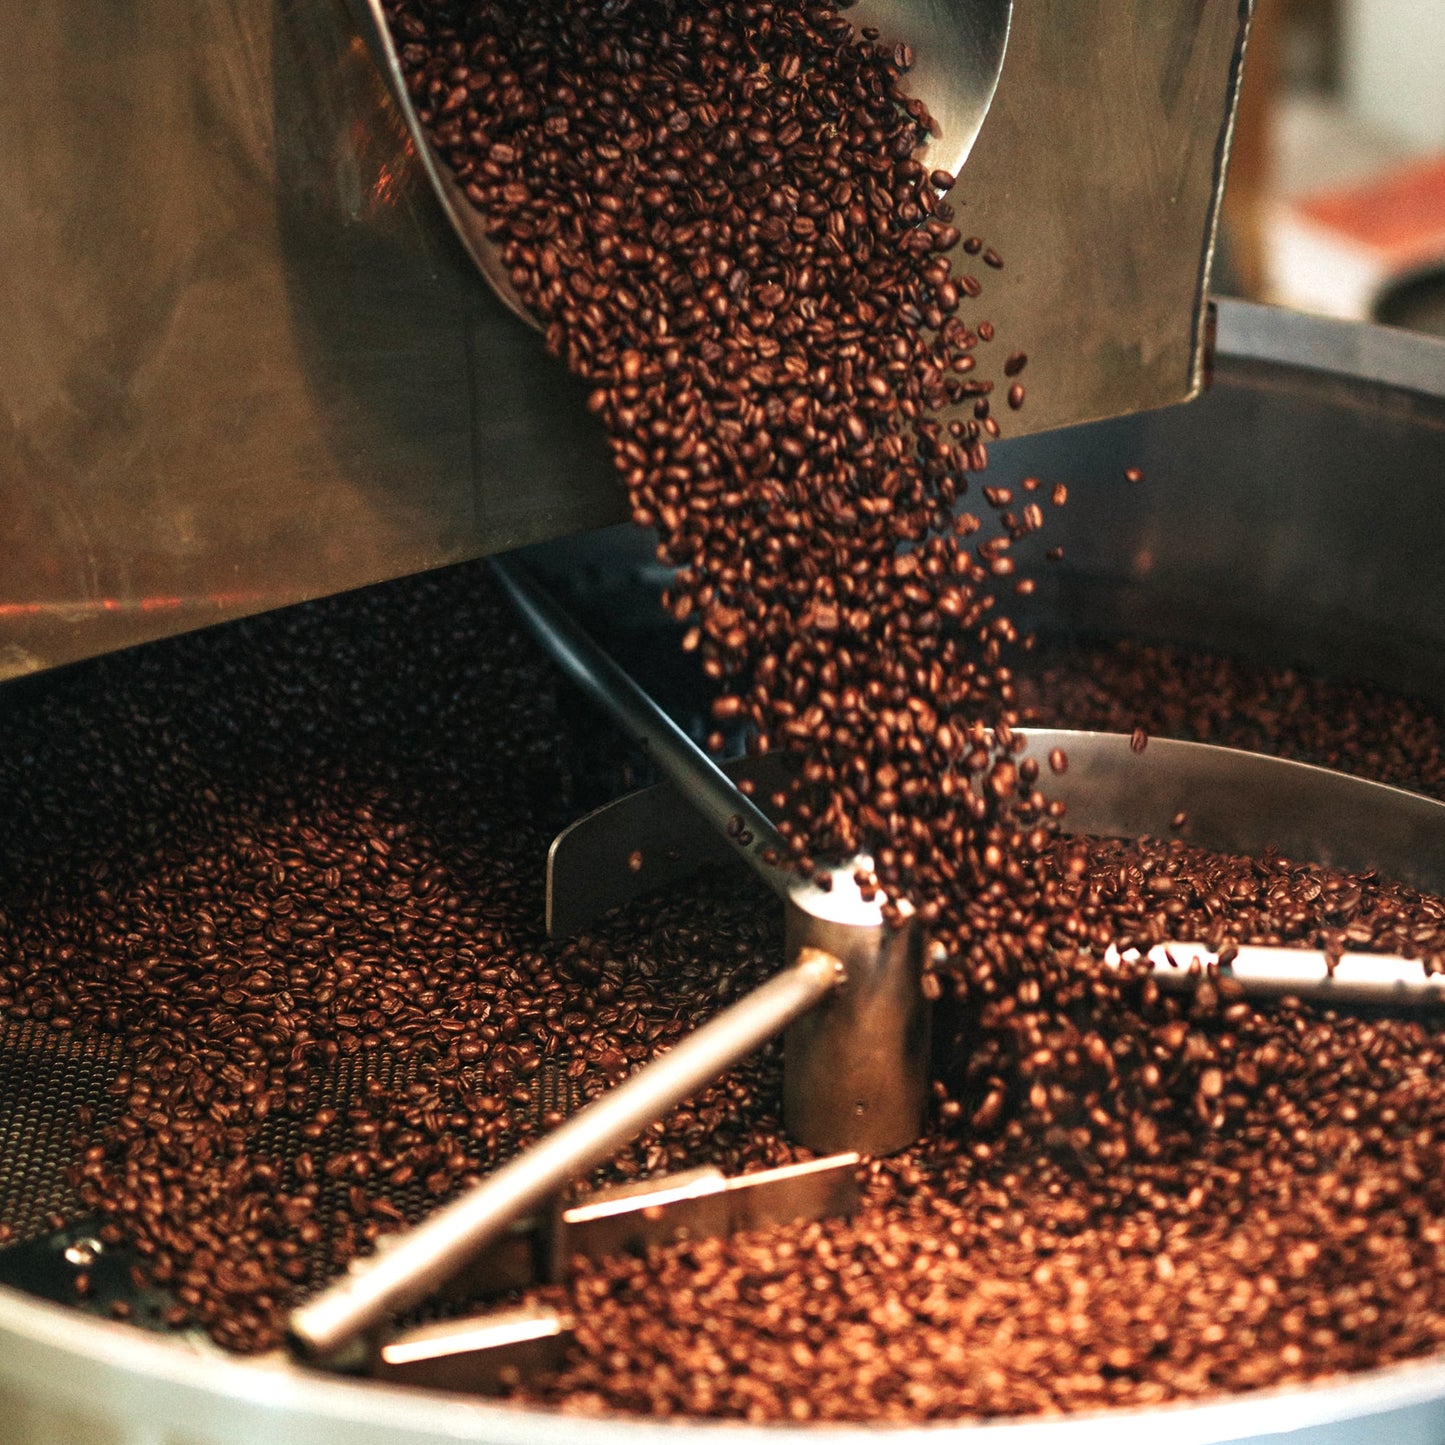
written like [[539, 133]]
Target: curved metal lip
[[465, 219], [103, 1355], [979, 33], [1278, 787], [1385, 355]]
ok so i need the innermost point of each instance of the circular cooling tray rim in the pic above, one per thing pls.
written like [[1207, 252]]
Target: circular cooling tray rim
[[59, 1368], [79, 1366], [1385, 355]]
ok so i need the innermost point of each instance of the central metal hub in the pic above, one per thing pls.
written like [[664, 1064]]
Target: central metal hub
[[856, 1068]]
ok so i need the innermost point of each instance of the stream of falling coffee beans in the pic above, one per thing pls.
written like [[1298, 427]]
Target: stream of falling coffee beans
[[717, 215], [307, 923]]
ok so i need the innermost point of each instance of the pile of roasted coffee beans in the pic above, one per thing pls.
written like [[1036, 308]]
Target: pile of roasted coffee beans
[[1277, 1217], [1143, 1198], [294, 867]]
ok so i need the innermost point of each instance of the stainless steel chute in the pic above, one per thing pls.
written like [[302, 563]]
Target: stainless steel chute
[[250, 362]]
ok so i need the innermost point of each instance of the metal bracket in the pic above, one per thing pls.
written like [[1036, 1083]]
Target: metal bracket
[[489, 1352]]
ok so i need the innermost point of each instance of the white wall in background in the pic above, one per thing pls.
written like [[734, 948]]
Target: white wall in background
[[1393, 61]]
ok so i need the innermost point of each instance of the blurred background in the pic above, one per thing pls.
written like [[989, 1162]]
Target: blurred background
[[1336, 199]]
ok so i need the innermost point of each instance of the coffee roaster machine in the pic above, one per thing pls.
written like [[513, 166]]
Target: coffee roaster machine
[[249, 363]]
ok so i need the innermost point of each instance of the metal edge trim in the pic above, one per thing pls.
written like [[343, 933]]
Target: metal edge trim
[[170, 1380], [1203, 341], [1358, 350]]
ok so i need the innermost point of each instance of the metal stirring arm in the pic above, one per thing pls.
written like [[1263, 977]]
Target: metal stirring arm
[[856, 1073], [705, 786], [420, 1262], [855, 1076]]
